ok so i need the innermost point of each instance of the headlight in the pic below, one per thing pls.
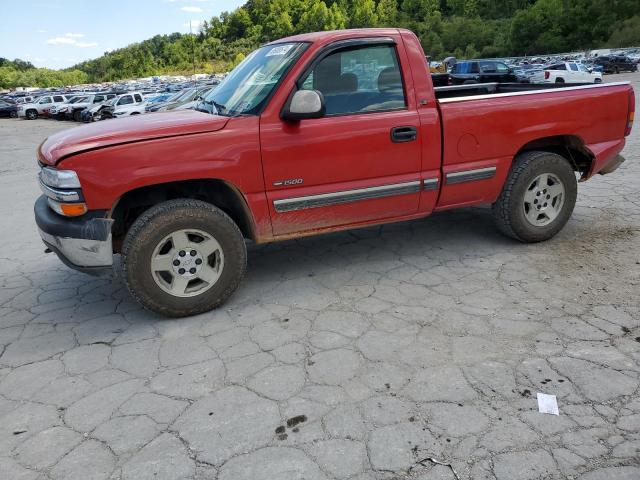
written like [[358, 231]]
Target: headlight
[[59, 178]]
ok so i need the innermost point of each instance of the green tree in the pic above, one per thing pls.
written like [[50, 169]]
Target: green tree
[[363, 14], [387, 11], [238, 24], [626, 33], [320, 17]]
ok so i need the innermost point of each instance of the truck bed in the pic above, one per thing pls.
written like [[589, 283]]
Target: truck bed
[[484, 126]]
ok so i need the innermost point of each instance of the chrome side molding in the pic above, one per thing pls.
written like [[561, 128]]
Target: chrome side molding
[[470, 175], [346, 196], [429, 184]]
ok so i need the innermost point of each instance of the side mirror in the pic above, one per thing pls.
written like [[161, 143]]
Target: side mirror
[[303, 105]]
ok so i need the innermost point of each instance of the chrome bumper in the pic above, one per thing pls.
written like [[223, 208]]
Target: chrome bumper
[[79, 253], [82, 243]]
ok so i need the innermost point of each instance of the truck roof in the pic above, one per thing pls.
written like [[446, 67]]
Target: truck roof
[[332, 35]]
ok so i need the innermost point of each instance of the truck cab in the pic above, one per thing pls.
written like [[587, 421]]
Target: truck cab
[[311, 134]]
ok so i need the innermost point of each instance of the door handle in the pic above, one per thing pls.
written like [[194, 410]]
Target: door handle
[[403, 134]]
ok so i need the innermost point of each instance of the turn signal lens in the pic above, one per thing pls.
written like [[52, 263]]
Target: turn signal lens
[[73, 209], [631, 113], [68, 209]]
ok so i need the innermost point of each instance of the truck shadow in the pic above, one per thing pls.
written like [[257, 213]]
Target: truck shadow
[[329, 261]]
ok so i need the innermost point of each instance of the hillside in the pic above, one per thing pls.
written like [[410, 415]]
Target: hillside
[[464, 28]]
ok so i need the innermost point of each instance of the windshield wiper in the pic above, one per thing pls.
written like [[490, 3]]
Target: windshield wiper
[[218, 107]]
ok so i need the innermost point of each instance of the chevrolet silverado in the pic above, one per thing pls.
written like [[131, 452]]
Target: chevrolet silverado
[[310, 134]]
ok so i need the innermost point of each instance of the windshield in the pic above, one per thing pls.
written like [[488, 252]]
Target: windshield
[[245, 90], [78, 99]]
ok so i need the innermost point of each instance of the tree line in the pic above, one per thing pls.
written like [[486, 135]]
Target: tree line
[[462, 28], [19, 73]]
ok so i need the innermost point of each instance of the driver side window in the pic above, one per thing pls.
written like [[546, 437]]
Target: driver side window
[[359, 80]]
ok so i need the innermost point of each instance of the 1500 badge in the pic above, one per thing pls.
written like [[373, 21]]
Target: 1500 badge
[[286, 183]]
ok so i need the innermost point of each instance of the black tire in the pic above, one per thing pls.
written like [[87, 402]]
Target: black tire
[[31, 114], [559, 80], [158, 222], [13, 115], [508, 210], [597, 80], [77, 115]]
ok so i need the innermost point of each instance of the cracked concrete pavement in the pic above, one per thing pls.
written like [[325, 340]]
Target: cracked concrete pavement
[[355, 355]]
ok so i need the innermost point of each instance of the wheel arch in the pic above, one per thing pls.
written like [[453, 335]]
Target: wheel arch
[[218, 192], [571, 147]]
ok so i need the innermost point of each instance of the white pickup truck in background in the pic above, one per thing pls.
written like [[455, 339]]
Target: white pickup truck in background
[[567, 72]]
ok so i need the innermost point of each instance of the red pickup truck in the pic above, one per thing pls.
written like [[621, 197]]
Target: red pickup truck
[[310, 134]]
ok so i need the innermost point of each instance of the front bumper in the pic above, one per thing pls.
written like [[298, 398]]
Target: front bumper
[[82, 243]]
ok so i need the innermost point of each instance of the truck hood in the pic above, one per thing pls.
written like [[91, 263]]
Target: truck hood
[[127, 130]]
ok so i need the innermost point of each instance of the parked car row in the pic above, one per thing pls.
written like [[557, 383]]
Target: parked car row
[[92, 106], [467, 72]]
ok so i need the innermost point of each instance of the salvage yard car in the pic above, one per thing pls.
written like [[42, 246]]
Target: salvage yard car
[[74, 110], [480, 71], [124, 106], [569, 72], [616, 64], [310, 134], [41, 106]]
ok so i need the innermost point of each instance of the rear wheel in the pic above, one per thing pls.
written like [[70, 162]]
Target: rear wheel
[[13, 114], [77, 115], [183, 257], [538, 197], [559, 80], [31, 114]]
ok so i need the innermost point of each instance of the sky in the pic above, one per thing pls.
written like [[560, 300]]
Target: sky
[[61, 33]]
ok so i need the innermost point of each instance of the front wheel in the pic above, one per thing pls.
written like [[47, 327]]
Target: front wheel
[[31, 114], [183, 257], [77, 115], [538, 197]]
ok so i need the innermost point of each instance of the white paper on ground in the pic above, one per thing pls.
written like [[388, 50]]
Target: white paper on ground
[[547, 404]]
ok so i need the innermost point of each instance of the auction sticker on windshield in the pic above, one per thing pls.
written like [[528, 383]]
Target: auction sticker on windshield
[[280, 50]]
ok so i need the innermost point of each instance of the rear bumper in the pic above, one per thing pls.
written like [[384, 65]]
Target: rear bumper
[[606, 157], [613, 165], [83, 243]]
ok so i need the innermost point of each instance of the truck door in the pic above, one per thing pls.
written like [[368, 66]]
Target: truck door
[[361, 161]]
